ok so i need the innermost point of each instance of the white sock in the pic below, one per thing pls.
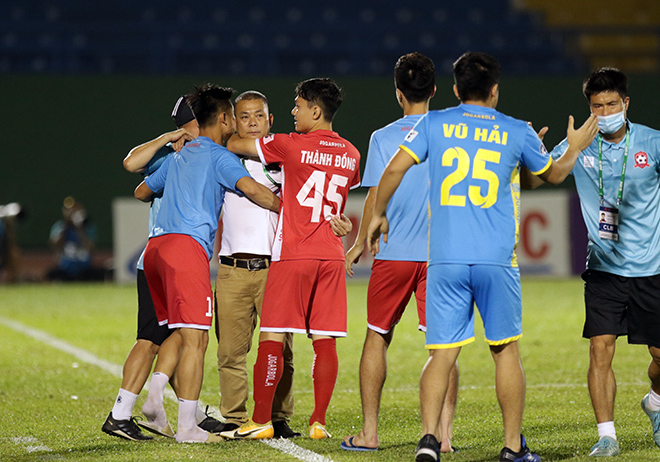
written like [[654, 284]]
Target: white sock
[[654, 401], [123, 408], [200, 415], [187, 429], [606, 429], [153, 408]]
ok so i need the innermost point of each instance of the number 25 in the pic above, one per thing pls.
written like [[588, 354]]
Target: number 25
[[479, 172]]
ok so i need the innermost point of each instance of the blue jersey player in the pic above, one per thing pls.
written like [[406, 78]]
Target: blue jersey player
[[176, 260], [474, 153], [399, 269]]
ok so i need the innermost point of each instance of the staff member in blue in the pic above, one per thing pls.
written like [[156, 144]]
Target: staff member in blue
[[617, 179]]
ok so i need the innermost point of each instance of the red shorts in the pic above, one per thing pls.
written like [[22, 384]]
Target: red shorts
[[177, 270], [390, 286], [306, 297]]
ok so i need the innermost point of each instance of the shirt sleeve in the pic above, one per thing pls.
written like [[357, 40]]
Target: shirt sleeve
[[416, 141], [559, 150], [355, 183], [272, 149], [534, 154], [158, 159], [156, 181], [228, 169], [375, 165]]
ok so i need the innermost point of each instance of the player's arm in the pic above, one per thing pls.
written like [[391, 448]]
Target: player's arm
[[341, 225], [243, 146], [355, 252], [389, 182], [578, 141], [258, 193], [139, 156], [527, 179], [143, 193]]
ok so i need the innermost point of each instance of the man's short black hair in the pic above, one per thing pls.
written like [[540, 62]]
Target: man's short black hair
[[475, 73], [208, 101], [251, 95], [605, 79], [323, 92], [414, 75]]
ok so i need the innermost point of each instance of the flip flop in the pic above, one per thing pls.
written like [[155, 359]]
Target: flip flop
[[349, 446]]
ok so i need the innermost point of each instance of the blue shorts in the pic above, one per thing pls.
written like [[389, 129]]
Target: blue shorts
[[453, 290]]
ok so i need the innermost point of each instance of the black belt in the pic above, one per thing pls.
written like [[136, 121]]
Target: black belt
[[253, 264]]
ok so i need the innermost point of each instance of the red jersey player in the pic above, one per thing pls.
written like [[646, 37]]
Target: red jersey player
[[306, 287]]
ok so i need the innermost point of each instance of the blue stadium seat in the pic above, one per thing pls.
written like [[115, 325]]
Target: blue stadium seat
[[342, 37]]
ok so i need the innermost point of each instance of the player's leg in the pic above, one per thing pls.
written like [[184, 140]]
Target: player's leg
[[326, 320], [606, 298], [390, 286], [510, 389], [283, 402], [644, 329], [324, 376], [433, 386], [498, 295], [449, 326], [267, 374], [185, 267], [236, 320], [191, 373], [154, 267], [445, 429], [286, 285], [373, 372], [149, 338], [600, 376]]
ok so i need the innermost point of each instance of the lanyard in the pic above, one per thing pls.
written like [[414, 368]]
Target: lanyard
[[623, 168], [265, 173]]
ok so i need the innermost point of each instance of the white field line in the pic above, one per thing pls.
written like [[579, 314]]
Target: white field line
[[282, 445], [30, 444]]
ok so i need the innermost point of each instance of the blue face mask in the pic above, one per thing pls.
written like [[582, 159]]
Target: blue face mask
[[611, 123]]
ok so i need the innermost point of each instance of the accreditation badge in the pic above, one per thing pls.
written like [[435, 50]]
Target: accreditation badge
[[608, 223]]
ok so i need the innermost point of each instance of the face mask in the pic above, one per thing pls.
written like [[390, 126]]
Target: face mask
[[611, 123]]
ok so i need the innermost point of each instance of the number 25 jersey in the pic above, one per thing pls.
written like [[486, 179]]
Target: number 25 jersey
[[474, 154], [318, 170]]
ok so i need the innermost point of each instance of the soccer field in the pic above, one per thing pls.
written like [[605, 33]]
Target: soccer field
[[62, 348]]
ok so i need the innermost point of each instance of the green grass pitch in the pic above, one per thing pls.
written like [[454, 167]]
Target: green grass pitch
[[52, 404]]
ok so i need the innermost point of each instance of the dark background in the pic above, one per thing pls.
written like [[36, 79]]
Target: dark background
[[82, 83]]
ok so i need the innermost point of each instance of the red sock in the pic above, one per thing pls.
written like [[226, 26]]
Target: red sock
[[324, 375], [267, 374]]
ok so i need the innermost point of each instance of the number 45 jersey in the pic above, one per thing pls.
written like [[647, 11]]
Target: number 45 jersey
[[318, 170], [474, 154]]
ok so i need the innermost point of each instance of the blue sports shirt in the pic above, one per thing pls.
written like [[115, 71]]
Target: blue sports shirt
[[153, 165], [637, 252], [407, 211], [193, 182], [474, 153]]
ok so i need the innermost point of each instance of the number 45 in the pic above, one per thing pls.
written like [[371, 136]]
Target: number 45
[[316, 181]]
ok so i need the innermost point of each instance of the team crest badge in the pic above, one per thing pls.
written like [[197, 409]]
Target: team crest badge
[[411, 136], [268, 139], [641, 160]]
